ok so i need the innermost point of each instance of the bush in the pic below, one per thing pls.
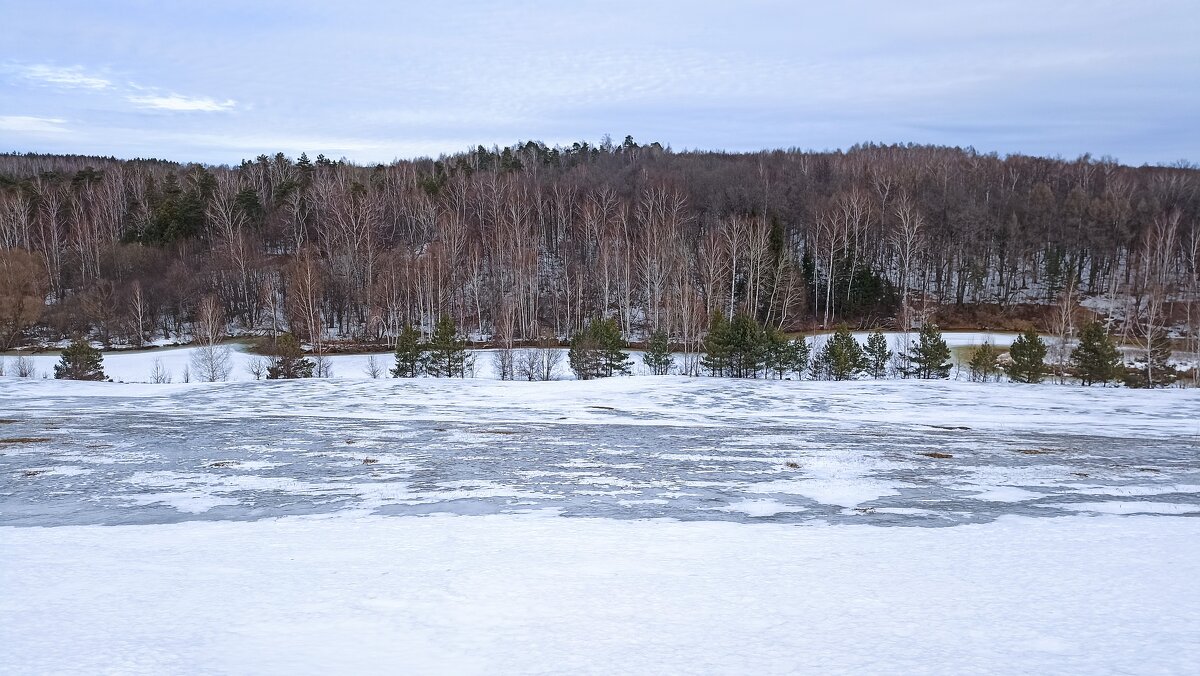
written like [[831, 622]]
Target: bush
[[80, 361]]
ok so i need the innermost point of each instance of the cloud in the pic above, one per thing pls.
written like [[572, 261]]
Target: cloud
[[30, 124], [69, 77], [178, 102]]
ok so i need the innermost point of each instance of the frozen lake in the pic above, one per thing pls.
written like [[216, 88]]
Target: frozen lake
[[887, 453]]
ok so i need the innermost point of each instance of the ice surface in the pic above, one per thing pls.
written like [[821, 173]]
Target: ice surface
[[111, 453]]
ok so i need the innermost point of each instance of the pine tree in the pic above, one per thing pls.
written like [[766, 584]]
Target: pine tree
[[716, 346], [289, 360], [446, 354], [785, 357], [598, 351], [930, 357], [1096, 359], [1028, 358], [878, 355], [747, 347], [410, 361], [776, 357], [985, 363], [1154, 367], [613, 357], [80, 361], [658, 354], [841, 358]]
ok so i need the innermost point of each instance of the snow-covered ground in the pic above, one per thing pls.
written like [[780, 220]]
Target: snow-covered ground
[[540, 594], [135, 366], [648, 525]]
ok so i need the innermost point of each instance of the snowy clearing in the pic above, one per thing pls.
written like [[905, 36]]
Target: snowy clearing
[[135, 366], [542, 594]]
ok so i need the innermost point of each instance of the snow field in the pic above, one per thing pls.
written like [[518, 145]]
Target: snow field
[[538, 594], [136, 366]]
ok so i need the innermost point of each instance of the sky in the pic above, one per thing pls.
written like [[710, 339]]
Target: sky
[[218, 81]]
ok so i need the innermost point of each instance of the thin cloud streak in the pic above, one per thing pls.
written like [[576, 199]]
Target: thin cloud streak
[[69, 77], [177, 102], [28, 124]]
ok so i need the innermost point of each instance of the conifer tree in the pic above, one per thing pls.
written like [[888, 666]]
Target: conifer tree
[[1028, 358], [930, 357], [658, 354], [80, 361], [785, 357], [747, 347], [289, 360], [1096, 358], [1154, 367], [446, 354], [878, 355], [841, 358], [985, 363], [716, 346], [410, 360], [598, 351]]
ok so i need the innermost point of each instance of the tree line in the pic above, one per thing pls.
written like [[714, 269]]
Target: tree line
[[531, 243], [735, 348]]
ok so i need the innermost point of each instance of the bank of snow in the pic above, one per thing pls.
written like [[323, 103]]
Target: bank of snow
[[135, 366], [541, 594]]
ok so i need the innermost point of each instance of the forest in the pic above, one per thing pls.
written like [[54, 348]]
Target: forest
[[531, 243]]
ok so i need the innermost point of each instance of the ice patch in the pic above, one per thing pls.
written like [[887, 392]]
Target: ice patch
[[1130, 507], [760, 507], [1006, 494]]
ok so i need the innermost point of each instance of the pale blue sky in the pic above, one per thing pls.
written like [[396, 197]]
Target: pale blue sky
[[218, 81]]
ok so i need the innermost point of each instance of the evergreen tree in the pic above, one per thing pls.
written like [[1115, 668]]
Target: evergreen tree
[[598, 351], [446, 354], [841, 358], [747, 347], [410, 361], [783, 356], [80, 361], [658, 354], [289, 361], [613, 357], [716, 346], [1096, 358], [775, 348], [930, 357], [1154, 368], [985, 363], [1028, 358], [878, 355]]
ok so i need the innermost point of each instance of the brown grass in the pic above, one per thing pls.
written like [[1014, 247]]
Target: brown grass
[[792, 464], [370, 461], [936, 454], [24, 440], [1033, 451]]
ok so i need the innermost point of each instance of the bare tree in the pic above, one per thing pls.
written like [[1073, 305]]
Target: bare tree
[[158, 373], [211, 360], [374, 367]]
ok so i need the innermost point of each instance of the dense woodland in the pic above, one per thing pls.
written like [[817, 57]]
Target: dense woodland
[[533, 242]]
